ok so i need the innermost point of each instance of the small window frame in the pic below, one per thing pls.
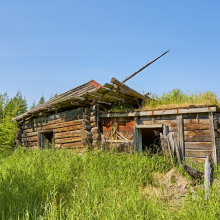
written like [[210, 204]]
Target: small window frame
[[39, 137]]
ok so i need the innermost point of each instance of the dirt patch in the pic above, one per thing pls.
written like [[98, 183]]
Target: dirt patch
[[169, 186]]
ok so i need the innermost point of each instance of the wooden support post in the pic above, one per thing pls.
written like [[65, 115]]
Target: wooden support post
[[137, 137], [212, 133], [180, 134]]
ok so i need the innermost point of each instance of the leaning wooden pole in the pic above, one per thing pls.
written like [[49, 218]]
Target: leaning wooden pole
[[148, 64]]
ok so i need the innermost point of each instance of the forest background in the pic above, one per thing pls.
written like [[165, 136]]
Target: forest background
[[9, 109]]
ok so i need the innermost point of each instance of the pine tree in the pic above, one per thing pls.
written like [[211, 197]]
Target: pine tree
[[41, 101]]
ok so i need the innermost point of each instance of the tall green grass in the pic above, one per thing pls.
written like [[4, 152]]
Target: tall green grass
[[176, 98], [58, 184]]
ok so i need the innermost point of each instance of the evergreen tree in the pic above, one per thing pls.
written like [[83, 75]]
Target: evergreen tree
[[33, 105], [9, 109], [41, 101]]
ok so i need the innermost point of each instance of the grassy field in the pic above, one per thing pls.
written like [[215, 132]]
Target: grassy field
[[59, 184]]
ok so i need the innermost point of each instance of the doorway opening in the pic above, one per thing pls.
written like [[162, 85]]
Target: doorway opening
[[46, 139], [151, 139]]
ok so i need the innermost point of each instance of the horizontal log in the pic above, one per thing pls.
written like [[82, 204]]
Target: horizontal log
[[60, 125], [69, 128], [74, 145], [85, 122], [198, 145], [61, 115], [30, 139], [159, 112], [68, 140], [197, 138], [86, 117], [31, 134], [67, 134], [96, 136], [194, 124], [86, 127], [93, 108], [198, 153], [197, 133], [29, 144]]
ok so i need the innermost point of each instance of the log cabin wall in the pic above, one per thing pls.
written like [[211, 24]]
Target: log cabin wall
[[71, 129], [196, 132]]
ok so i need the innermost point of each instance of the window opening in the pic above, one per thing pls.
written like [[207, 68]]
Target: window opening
[[46, 139]]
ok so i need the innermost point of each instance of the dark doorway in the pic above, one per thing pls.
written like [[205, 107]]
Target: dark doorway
[[151, 139], [46, 139]]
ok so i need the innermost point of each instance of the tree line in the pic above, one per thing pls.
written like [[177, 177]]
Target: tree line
[[9, 109]]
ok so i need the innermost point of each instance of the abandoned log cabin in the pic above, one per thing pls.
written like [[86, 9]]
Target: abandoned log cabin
[[79, 118]]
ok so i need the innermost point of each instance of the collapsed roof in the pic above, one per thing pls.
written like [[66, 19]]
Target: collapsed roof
[[86, 95]]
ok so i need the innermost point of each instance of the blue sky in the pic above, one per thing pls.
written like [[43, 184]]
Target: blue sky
[[49, 47]]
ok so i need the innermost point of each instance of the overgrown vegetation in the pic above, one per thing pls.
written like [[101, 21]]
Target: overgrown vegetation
[[121, 107], [59, 184], [178, 99]]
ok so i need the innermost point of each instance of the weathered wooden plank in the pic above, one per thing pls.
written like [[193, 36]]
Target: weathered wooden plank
[[67, 140], [77, 133], [212, 133], [198, 145], [30, 139], [197, 133], [195, 124], [180, 134], [197, 138], [194, 159], [29, 134], [170, 123], [198, 153], [160, 112], [74, 145], [68, 128], [150, 126], [109, 86]]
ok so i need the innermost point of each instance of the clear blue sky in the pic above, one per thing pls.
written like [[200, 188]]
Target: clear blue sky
[[49, 47]]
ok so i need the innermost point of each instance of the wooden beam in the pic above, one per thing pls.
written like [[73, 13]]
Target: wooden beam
[[160, 112], [149, 126], [180, 133], [212, 132], [131, 91]]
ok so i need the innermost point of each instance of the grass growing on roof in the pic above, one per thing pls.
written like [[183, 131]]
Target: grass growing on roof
[[178, 99]]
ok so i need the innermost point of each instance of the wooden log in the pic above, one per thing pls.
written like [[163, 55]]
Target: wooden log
[[95, 130], [87, 111], [25, 134], [67, 140], [86, 122], [55, 124], [86, 127], [96, 136], [86, 117], [93, 119], [30, 139], [93, 114], [195, 159], [197, 138], [74, 145], [93, 108], [159, 112], [93, 124], [69, 128], [196, 174], [77, 133], [198, 145], [131, 91]]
